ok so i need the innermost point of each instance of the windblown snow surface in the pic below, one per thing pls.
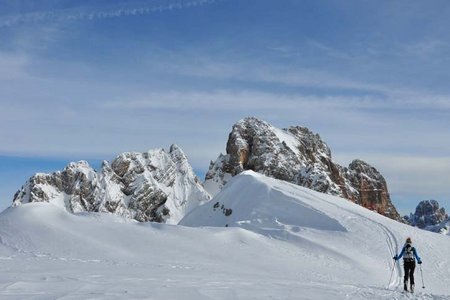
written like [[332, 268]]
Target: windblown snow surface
[[259, 238]]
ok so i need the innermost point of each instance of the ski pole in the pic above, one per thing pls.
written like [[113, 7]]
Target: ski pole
[[421, 273], [392, 272]]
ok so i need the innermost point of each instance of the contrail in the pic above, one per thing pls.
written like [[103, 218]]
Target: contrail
[[63, 15]]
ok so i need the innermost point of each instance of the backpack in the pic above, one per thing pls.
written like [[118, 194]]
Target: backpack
[[409, 253]]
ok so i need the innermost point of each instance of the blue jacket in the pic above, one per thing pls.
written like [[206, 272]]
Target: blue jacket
[[397, 257]]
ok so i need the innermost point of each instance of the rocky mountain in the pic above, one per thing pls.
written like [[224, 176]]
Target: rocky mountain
[[299, 156], [152, 186], [430, 216]]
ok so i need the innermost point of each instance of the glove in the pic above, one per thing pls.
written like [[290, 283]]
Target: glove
[[395, 257], [419, 262]]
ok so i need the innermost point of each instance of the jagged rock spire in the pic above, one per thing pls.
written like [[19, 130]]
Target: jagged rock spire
[[150, 186], [428, 215], [297, 155]]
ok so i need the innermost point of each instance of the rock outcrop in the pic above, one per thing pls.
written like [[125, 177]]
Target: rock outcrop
[[299, 156], [151, 186], [430, 216]]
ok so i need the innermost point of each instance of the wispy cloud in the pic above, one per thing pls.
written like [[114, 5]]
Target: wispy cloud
[[327, 50], [427, 48], [214, 67], [335, 90], [12, 66], [108, 11], [239, 100]]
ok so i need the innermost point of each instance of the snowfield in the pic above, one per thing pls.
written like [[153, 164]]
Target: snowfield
[[259, 238]]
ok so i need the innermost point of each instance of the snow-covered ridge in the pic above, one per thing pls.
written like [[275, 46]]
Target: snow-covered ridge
[[151, 186], [263, 208], [299, 156]]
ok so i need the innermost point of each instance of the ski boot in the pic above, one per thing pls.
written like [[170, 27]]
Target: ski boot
[[411, 288], [405, 287]]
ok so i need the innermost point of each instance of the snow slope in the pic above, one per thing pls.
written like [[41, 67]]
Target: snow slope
[[282, 242]]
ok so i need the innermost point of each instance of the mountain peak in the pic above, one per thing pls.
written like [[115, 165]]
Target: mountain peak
[[299, 156], [429, 216], [175, 148], [150, 186]]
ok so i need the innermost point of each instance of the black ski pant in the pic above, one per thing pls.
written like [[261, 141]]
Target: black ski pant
[[409, 267]]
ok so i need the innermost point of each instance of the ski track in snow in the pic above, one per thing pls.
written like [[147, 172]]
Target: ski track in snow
[[391, 241]]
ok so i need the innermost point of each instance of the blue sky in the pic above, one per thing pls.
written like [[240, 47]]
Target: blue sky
[[90, 79]]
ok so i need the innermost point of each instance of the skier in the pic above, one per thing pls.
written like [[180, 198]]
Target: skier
[[409, 254]]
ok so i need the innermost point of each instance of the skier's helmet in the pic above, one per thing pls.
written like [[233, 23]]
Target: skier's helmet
[[408, 240]]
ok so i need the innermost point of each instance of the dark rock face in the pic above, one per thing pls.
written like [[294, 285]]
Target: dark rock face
[[428, 216], [299, 156], [371, 189], [151, 186]]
